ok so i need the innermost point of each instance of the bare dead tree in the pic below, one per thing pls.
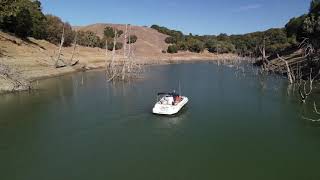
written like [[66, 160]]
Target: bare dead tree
[[129, 50], [307, 47], [60, 47], [106, 47], [73, 51], [59, 52], [106, 53], [111, 71], [304, 92], [124, 54], [125, 42], [262, 49], [125, 68]]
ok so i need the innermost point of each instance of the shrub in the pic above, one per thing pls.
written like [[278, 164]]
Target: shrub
[[90, 39], [172, 49], [118, 46], [182, 46], [170, 40], [195, 45], [133, 39], [119, 32]]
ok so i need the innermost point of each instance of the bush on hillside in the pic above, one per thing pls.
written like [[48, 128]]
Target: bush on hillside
[[172, 49], [171, 40], [89, 39], [109, 32], [133, 39], [118, 46]]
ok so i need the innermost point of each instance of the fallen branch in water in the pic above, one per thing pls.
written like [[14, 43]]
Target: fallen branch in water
[[304, 94], [289, 74], [316, 111]]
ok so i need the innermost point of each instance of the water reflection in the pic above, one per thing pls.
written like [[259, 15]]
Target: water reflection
[[174, 120], [80, 121]]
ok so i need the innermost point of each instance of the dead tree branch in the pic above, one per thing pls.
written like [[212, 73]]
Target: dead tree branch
[[304, 93], [73, 51], [60, 48], [289, 74], [125, 68]]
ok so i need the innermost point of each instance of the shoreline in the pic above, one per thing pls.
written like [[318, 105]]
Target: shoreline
[[99, 67], [32, 60], [8, 87]]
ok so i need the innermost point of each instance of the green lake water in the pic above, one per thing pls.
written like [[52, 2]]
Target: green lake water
[[79, 127]]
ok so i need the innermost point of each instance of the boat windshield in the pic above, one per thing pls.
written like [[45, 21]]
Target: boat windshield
[[173, 94]]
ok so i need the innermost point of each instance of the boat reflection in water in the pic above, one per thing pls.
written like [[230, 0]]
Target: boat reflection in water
[[173, 120]]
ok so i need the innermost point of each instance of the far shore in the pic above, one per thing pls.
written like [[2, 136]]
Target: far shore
[[6, 86], [35, 61]]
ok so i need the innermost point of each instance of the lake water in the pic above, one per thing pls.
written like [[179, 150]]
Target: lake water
[[78, 127]]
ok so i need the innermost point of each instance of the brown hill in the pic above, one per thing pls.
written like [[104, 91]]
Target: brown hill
[[150, 42]]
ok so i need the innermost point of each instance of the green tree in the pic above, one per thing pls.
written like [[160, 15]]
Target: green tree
[[173, 33], [109, 32], [39, 21], [294, 26], [311, 24], [23, 17], [55, 28], [8, 11], [314, 7], [23, 23], [223, 37]]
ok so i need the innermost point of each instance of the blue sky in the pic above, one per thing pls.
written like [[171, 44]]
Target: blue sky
[[190, 16]]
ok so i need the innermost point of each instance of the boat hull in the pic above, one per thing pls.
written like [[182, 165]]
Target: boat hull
[[169, 109]]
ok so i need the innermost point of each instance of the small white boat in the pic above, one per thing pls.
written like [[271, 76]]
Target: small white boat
[[169, 104]]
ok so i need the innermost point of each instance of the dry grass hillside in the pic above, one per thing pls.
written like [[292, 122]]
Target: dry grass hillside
[[150, 42], [35, 59]]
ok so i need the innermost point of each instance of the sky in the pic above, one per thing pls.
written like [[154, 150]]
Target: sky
[[201, 17]]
